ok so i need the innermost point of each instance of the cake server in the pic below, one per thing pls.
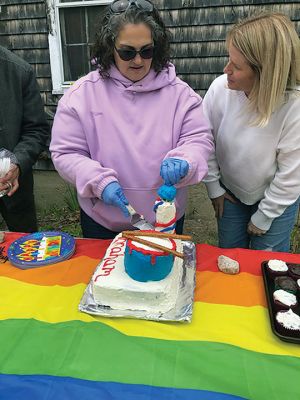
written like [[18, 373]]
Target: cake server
[[138, 221]]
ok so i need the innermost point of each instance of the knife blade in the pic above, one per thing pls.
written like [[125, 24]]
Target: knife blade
[[138, 221]]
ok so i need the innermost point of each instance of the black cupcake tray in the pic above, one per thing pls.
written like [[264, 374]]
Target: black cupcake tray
[[269, 283]]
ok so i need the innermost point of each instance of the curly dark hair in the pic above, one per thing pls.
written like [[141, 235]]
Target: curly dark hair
[[110, 26]]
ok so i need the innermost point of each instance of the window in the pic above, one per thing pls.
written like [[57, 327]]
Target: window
[[72, 31]]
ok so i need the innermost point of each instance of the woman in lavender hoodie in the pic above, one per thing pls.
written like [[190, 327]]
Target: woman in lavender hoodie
[[125, 129]]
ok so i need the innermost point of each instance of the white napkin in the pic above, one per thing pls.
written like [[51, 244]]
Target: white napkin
[[4, 166]]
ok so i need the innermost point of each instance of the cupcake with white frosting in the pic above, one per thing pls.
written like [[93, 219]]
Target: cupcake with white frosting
[[277, 267], [288, 323], [284, 300]]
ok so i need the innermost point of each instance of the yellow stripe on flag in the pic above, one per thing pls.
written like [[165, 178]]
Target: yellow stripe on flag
[[211, 322]]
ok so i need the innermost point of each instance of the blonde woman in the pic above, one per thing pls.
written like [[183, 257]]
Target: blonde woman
[[254, 111]]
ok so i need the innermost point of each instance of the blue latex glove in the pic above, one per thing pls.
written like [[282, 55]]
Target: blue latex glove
[[173, 169], [113, 195]]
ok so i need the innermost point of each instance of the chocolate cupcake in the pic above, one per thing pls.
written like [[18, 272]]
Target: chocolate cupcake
[[288, 323], [294, 271], [277, 268], [284, 300], [286, 283]]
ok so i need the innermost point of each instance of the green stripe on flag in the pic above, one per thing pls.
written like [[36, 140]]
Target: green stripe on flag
[[97, 352]]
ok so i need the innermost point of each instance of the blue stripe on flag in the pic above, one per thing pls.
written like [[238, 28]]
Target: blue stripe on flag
[[44, 387]]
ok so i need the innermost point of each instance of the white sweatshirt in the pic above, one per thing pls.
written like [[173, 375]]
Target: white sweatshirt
[[255, 164]]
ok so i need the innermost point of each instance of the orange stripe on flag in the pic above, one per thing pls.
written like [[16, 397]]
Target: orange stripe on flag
[[66, 273], [242, 289]]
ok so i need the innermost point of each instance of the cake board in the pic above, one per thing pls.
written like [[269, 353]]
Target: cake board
[[181, 312]]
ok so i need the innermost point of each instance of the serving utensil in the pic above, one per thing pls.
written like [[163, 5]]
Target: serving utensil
[[137, 220]]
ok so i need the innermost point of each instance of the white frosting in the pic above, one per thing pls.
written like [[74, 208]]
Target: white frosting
[[288, 319], [285, 298], [112, 286], [277, 265], [161, 241], [298, 282], [165, 214]]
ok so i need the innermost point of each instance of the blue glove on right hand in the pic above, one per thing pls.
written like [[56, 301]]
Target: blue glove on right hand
[[173, 169], [113, 195]]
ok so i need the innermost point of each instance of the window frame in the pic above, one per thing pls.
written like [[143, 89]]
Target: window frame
[[54, 39]]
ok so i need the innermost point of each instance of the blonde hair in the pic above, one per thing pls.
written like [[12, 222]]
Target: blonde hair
[[271, 46]]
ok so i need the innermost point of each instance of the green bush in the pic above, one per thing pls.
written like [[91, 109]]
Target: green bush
[[295, 240], [62, 218], [70, 198]]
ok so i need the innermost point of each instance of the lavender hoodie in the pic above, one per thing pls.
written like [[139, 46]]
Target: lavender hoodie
[[113, 129]]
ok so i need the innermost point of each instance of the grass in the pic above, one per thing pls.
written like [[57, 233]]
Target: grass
[[60, 219], [295, 239]]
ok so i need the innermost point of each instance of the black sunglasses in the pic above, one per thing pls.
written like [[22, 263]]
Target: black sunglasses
[[130, 54], [119, 6]]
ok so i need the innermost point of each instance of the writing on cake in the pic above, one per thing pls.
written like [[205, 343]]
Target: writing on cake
[[110, 259]]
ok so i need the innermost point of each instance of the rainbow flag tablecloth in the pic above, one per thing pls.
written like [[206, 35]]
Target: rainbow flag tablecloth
[[51, 351]]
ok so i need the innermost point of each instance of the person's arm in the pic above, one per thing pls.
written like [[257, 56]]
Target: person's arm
[[195, 142], [212, 179], [71, 157], [284, 189], [34, 129]]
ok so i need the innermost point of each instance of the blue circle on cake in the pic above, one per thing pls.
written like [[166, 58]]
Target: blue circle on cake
[[147, 265], [40, 249]]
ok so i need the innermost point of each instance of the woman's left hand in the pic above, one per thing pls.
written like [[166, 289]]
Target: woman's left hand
[[173, 169], [254, 230]]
